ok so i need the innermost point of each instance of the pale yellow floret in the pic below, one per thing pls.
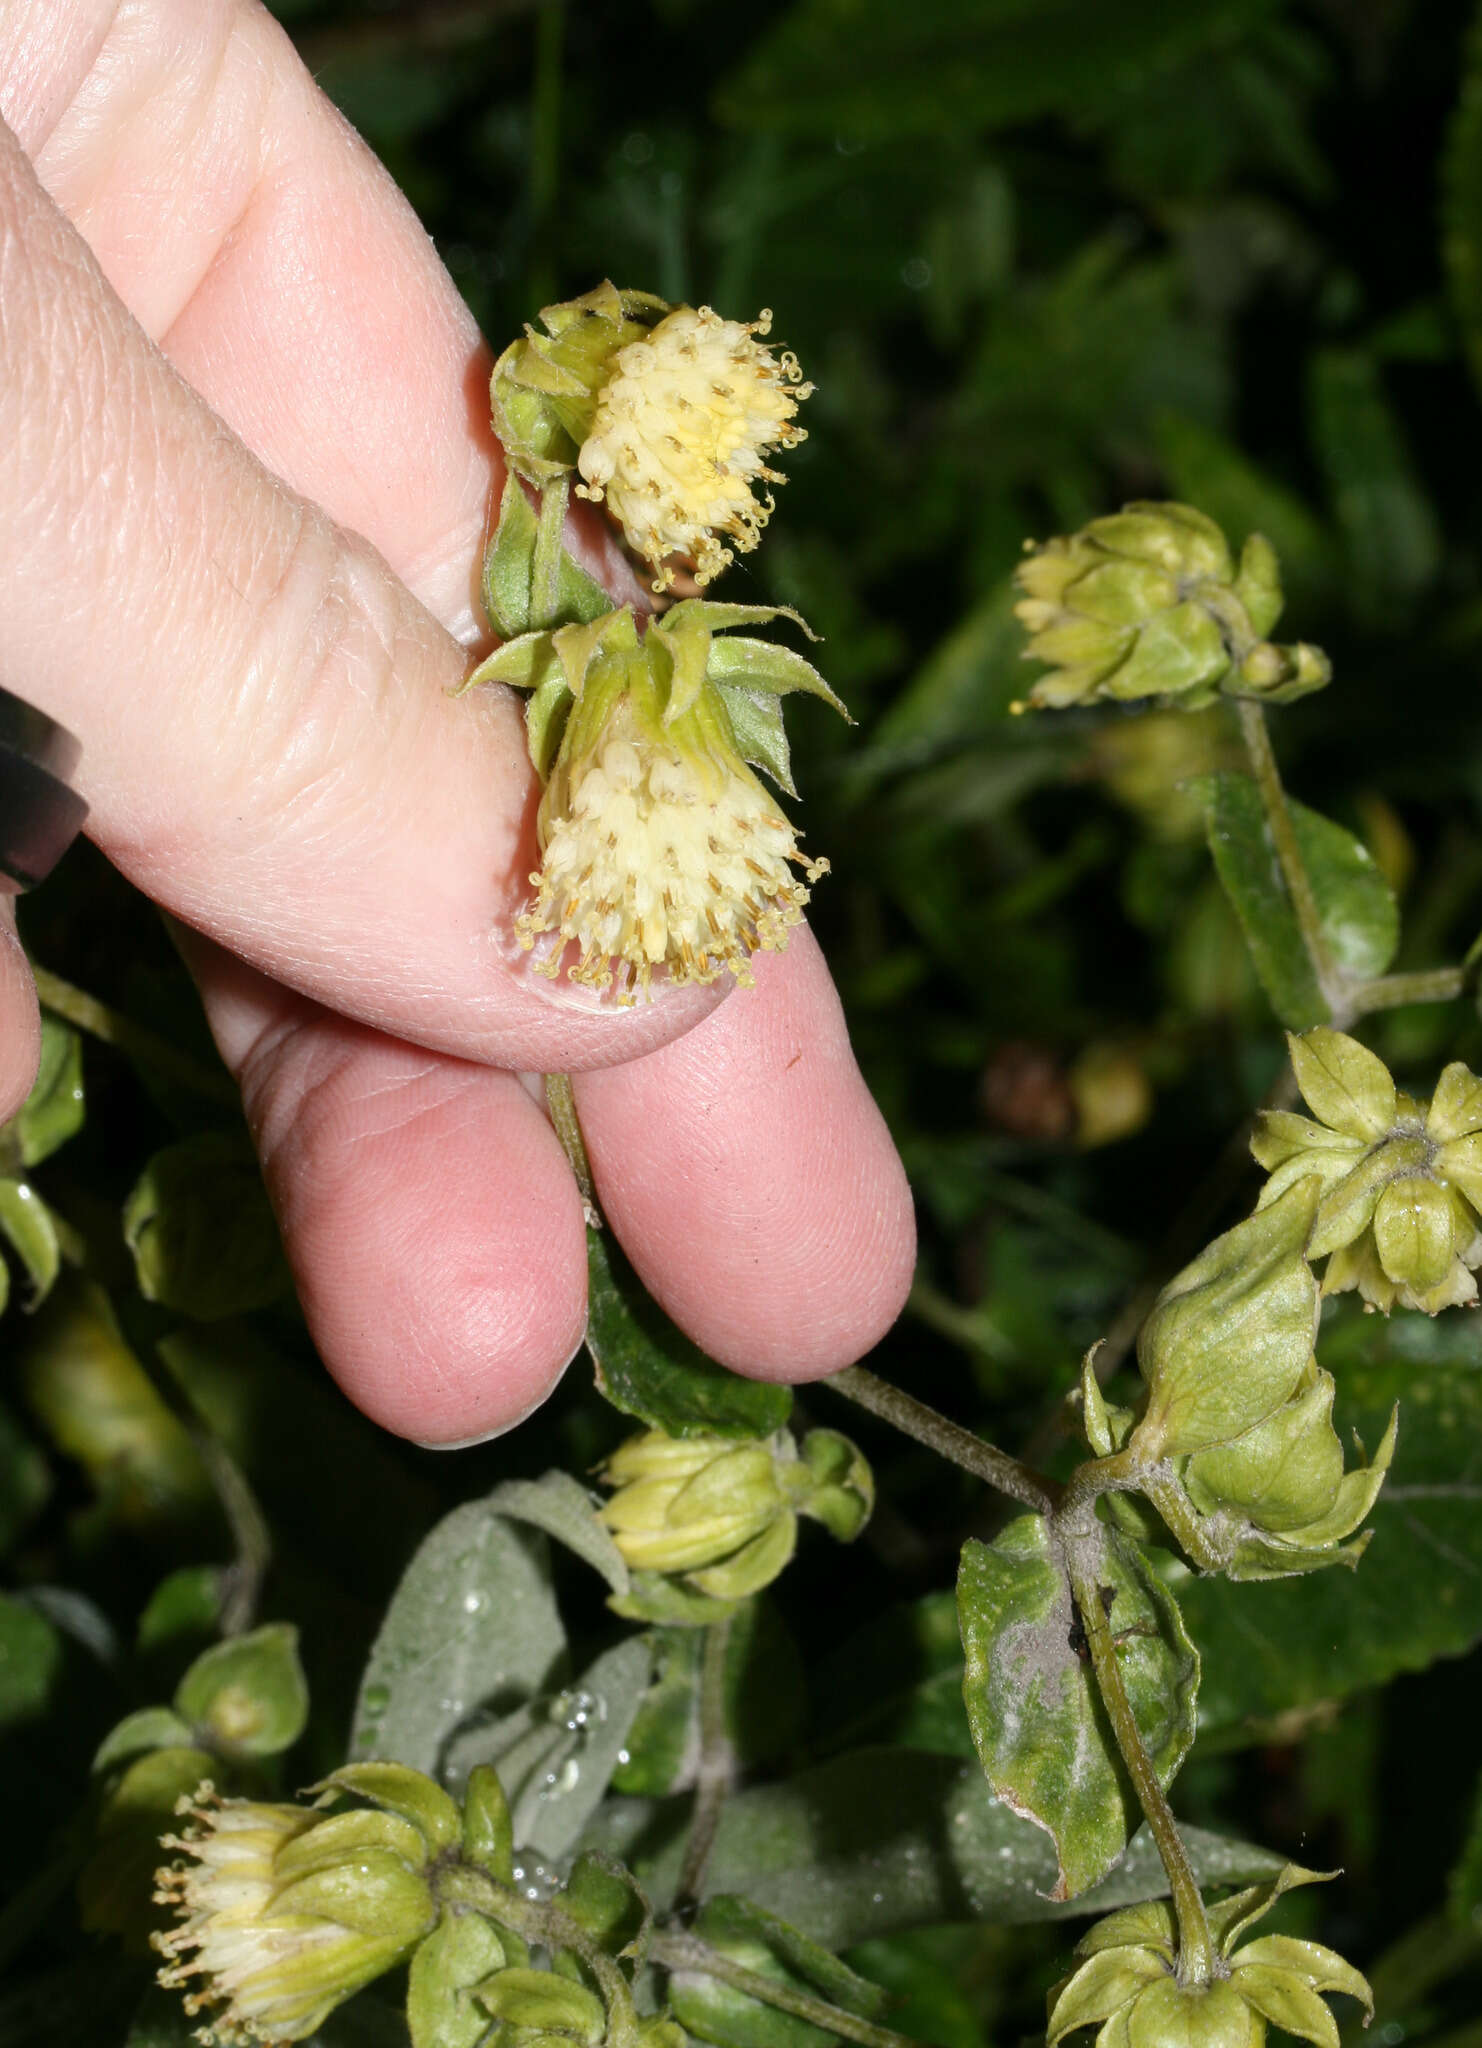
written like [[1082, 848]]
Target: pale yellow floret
[[681, 432], [656, 863]]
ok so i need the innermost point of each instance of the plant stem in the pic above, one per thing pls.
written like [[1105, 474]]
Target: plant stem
[[1289, 855], [1198, 1961], [1392, 991], [949, 1439], [561, 1102], [717, 1768], [76, 1007], [543, 1925], [676, 1951], [545, 563]]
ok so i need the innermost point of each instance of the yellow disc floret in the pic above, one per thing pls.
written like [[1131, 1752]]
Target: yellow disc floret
[[681, 432]]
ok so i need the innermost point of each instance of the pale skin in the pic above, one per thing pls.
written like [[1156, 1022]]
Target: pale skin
[[245, 479]]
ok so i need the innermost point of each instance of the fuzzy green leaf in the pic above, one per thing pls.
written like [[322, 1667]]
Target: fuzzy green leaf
[[201, 1231], [54, 1109], [1032, 1702], [30, 1230], [647, 1368], [247, 1696]]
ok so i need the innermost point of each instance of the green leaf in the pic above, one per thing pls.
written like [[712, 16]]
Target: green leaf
[[765, 1688], [759, 1941], [30, 1229], [647, 1368], [459, 1953], [507, 568], [473, 1621], [25, 1479], [1355, 903], [874, 71], [555, 1756], [607, 1900], [1391, 535], [182, 1606], [137, 1733], [54, 1109], [562, 1507], [247, 1696], [1274, 1652], [1033, 1705], [1461, 204], [201, 1231], [882, 1839], [30, 1661], [760, 733]]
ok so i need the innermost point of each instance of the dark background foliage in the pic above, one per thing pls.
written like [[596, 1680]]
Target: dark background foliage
[[1040, 257]]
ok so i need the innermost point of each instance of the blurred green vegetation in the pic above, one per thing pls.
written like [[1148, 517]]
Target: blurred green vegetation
[[1040, 257]]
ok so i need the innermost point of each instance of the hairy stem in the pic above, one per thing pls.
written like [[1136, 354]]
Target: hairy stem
[[76, 1007], [676, 1951], [545, 563], [1198, 1961], [561, 1102], [1258, 747], [948, 1439], [717, 1769]]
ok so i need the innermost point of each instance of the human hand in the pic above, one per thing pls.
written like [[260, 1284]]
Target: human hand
[[270, 750]]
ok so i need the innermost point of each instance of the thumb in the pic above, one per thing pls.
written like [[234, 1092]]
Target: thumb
[[269, 747]]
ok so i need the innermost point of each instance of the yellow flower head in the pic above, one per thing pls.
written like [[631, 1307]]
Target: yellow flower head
[[681, 432], [284, 1913]]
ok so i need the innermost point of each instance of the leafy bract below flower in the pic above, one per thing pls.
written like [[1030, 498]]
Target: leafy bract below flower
[[682, 431], [669, 413], [662, 851], [1129, 1987], [1148, 603], [1400, 1217], [285, 1911]]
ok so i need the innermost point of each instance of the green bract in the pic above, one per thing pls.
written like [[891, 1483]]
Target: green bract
[[1129, 1985], [1149, 604], [544, 388], [1400, 1181]]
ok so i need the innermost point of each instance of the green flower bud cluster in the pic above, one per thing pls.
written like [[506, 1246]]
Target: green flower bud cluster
[[1400, 1214], [1148, 603], [705, 1521], [1235, 1444], [1129, 1987]]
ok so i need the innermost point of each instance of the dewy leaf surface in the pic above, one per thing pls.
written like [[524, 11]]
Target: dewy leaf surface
[[649, 1369], [473, 1623], [882, 1839], [1032, 1703]]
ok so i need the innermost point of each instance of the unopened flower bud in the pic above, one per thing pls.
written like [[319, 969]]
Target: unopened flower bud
[[1400, 1215], [544, 388], [1149, 604], [1230, 1338], [720, 1517], [286, 1911]]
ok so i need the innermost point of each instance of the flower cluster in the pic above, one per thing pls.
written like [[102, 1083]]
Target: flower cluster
[[669, 414], [285, 1911], [1148, 603], [1400, 1214], [1130, 1988]]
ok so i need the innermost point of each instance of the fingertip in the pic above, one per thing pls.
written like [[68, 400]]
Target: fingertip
[[20, 1019], [753, 1181], [434, 1230]]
